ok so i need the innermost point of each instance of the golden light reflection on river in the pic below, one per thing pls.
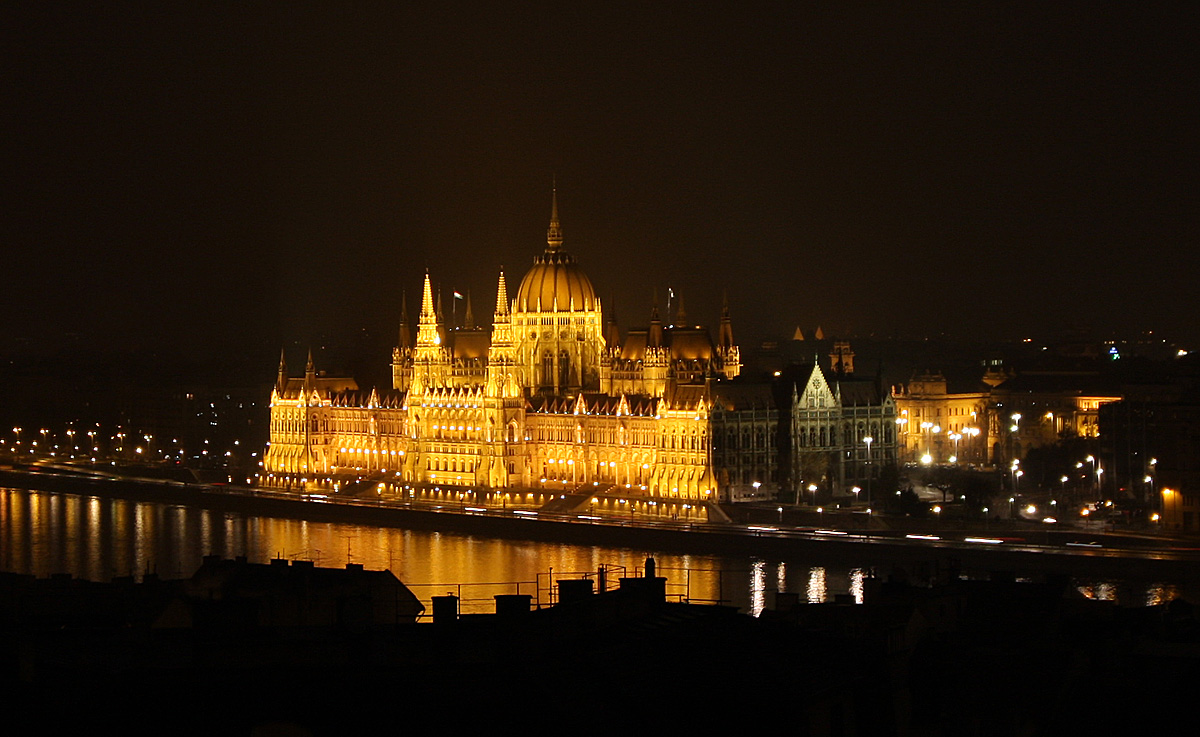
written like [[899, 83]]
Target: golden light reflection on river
[[816, 585], [43, 533]]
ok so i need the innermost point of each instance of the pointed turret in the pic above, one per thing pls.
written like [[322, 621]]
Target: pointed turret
[[442, 328], [281, 380], [502, 332], [427, 298], [501, 369], [725, 335], [502, 307], [731, 355], [310, 372], [841, 358], [612, 334], [656, 331], [469, 316], [427, 325], [405, 337], [681, 314], [554, 236]]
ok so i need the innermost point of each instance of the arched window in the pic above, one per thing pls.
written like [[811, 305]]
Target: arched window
[[564, 369], [548, 368]]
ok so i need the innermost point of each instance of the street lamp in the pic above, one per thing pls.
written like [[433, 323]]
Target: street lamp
[[868, 440], [856, 489], [813, 489], [973, 432], [1014, 429]]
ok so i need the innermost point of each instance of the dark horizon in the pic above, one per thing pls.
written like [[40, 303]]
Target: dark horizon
[[218, 179]]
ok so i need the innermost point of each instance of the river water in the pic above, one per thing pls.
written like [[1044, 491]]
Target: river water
[[44, 533]]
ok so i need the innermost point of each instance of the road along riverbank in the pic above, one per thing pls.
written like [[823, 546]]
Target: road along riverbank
[[1073, 552]]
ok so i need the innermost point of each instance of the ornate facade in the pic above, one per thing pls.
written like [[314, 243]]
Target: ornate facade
[[843, 431], [550, 407], [998, 418], [940, 426]]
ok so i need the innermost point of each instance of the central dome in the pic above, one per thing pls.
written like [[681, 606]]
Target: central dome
[[555, 283]]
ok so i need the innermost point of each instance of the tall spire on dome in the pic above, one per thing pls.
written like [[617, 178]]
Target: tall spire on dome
[[554, 236]]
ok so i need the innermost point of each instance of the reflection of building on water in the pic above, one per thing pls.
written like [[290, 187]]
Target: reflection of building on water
[[550, 408]]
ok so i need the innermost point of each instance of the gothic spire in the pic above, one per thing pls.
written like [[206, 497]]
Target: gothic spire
[[441, 319], [427, 300], [612, 334], [502, 331], [469, 317], [406, 339], [656, 331], [501, 295], [725, 337], [428, 332], [281, 383], [554, 236]]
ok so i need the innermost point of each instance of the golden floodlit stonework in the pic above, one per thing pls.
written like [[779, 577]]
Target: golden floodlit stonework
[[550, 409]]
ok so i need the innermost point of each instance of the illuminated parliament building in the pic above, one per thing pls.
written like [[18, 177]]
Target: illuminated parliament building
[[548, 409]]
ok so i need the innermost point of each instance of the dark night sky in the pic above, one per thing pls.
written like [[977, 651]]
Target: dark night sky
[[227, 179]]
